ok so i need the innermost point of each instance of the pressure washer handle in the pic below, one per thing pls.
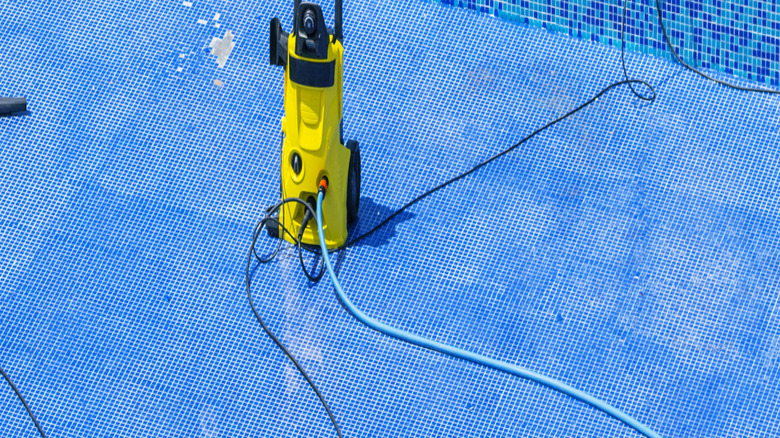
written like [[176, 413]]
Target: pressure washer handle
[[339, 31], [339, 19], [295, 14], [278, 44]]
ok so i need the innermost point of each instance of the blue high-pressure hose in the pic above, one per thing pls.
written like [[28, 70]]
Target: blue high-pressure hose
[[467, 355]]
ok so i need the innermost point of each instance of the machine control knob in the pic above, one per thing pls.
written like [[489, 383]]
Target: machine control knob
[[297, 163], [310, 22]]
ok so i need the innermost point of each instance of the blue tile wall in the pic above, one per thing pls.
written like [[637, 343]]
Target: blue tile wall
[[739, 37]]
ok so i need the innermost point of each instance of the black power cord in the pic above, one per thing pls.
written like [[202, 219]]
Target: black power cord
[[499, 155], [626, 81], [705, 76], [24, 402], [310, 213], [270, 220]]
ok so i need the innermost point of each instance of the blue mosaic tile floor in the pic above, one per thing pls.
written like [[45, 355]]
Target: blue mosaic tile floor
[[631, 251]]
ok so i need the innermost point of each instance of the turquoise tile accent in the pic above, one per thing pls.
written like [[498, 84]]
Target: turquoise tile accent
[[740, 37]]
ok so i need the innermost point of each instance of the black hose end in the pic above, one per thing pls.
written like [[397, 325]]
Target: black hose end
[[273, 231], [11, 105]]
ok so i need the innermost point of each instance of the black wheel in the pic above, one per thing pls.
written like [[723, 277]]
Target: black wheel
[[353, 182]]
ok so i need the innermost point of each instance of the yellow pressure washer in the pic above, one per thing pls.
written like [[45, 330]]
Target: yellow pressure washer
[[313, 146]]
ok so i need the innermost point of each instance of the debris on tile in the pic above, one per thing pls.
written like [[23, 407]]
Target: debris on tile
[[180, 69], [222, 47], [202, 21], [216, 17], [187, 4], [218, 83]]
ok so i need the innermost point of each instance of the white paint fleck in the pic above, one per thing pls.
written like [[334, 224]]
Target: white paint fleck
[[180, 69], [202, 21], [216, 25], [216, 17], [187, 4], [209, 422], [222, 47], [183, 55]]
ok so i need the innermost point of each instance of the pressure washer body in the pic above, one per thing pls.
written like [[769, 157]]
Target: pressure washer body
[[313, 142]]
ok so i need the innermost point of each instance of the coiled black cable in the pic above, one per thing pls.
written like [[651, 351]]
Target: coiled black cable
[[623, 58], [267, 220]]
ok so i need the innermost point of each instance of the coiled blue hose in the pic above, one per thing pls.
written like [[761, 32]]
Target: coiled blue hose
[[467, 355]]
